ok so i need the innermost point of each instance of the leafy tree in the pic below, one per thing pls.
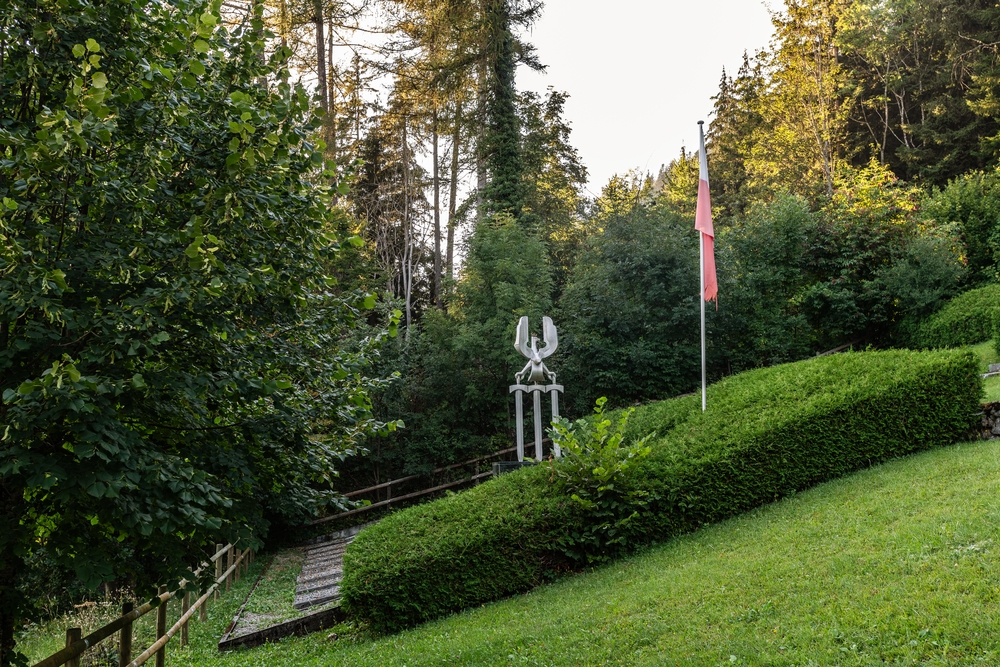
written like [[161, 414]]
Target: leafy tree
[[921, 76], [630, 312], [172, 362], [805, 142], [867, 233], [554, 176], [763, 268], [971, 201], [737, 117], [677, 184], [501, 142]]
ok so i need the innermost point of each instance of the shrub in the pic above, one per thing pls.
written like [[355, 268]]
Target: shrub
[[595, 472], [767, 433], [965, 320], [972, 201]]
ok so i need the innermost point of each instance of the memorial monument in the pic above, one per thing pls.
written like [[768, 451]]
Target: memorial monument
[[543, 381]]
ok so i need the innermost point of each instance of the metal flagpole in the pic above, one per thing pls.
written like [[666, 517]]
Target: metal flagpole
[[701, 297], [702, 175]]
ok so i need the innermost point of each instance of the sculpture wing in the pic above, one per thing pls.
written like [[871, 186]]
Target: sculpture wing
[[550, 336], [521, 342]]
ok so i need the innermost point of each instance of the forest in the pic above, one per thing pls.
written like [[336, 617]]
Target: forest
[[254, 255]]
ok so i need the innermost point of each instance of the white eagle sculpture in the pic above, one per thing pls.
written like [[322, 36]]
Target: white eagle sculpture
[[535, 370]]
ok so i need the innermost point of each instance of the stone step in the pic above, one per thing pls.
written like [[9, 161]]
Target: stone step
[[312, 571], [317, 597], [340, 544], [326, 556], [311, 579], [318, 585], [322, 571], [323, 555]]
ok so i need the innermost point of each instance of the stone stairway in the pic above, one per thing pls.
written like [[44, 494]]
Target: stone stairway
[[323, 569]]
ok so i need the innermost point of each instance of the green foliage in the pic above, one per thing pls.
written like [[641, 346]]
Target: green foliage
[[794, 281], [628, 318], [971, 201], [965, 320], [594, 471], [501, 141], [873, 263], [456, 366], [554, 178], [172, 363], [761, 284], [768, 433]]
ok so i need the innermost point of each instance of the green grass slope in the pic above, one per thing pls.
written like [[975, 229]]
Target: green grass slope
[[898, 564]]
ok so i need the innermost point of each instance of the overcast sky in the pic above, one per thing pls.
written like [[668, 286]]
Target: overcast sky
[[640, 73]]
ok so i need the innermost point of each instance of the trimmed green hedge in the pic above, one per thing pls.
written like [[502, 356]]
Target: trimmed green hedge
[[767, 433], [968, 319]]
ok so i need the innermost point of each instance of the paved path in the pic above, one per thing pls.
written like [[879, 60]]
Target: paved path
[[323, 569]]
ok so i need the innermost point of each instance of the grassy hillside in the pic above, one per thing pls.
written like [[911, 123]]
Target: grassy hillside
[[896, 564]]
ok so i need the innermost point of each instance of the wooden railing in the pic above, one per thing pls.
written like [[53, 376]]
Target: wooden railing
[[390, 500], [236, 562]]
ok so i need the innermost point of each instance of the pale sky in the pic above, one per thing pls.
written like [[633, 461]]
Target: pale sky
[[640, 73]]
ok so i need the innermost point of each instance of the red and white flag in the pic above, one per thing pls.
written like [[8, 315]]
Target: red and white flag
[[703, 223]]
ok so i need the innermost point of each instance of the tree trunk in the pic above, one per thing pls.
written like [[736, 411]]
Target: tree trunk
[[407, 241], [11, 513], [321, 55], [453, 193], [438, 297], [283, 19], [480, 139]]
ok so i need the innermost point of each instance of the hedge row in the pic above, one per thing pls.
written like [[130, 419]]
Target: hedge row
[[967, 319], [767, 433]]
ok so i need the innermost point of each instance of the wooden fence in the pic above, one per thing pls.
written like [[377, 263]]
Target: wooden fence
[[230, 563], [474, 477]]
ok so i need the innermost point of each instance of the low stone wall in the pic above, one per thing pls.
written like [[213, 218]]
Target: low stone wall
[[989, 421]]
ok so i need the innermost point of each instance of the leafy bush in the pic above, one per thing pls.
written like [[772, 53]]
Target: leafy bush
[[972, 201], [965, 320], [767, 433], [594, 472]]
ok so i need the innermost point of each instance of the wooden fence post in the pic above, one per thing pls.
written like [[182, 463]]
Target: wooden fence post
[[239, 566], [218, 567], [72, 635], [185, 605], [229, 566], [125, 638], [161, 628], [203, 611]]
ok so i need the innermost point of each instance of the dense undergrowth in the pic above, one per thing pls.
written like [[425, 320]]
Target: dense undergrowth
[[769, 433]]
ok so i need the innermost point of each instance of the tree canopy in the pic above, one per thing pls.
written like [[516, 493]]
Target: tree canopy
[[175, 361]]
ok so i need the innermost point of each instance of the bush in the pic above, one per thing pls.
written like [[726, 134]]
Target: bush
[[965, 320], [768, 433], [595, 471], [972, 201]]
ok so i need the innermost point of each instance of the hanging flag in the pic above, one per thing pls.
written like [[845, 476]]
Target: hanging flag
[[703, 223]]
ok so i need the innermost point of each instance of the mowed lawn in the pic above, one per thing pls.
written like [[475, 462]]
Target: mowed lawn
[[898, 564], [987, 355]]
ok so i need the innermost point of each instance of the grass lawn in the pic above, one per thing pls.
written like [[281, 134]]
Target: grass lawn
[[899, 564], [987, 355]]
